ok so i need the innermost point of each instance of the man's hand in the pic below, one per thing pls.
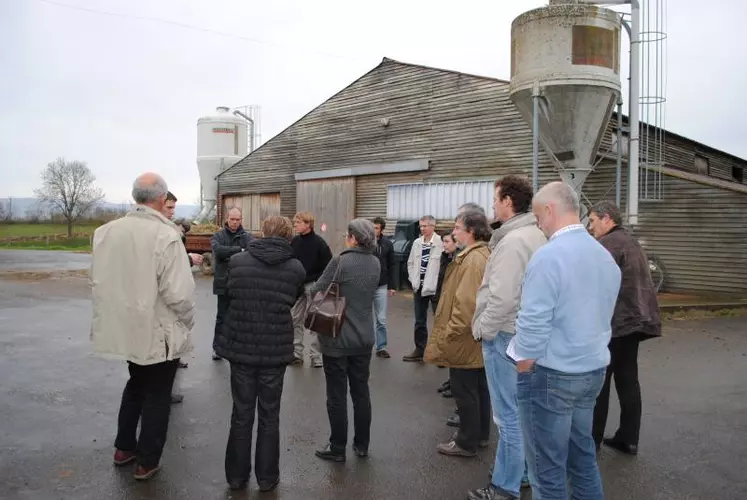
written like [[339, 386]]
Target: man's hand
[[196, 258], [391, 292], [525, 365]]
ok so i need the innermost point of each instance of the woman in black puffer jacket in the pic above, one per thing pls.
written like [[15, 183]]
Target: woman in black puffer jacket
[[262, 283]]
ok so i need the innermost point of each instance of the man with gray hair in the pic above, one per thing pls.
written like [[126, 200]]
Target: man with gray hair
[[423, 266], [636, 319], [560, 346], [143, 311]]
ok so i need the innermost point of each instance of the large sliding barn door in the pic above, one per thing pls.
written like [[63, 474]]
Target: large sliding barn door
[[332, 201], [254, 208]]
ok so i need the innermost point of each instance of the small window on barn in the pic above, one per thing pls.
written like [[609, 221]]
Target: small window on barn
[[737, 173], [625, 141], [702, 165], [440, 199]]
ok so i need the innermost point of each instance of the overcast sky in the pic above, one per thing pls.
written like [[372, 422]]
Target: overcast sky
[[123, 92]]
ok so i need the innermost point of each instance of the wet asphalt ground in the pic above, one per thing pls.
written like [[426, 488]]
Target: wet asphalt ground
[[58, 412]]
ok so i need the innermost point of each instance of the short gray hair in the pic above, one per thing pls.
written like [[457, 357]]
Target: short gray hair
[[234, 207], [429, 219], [148, 188], [609, 209], [363, 232], [560, 194], [471, 206]]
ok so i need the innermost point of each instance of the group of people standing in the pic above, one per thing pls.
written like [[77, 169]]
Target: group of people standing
[[526, 315], [143, 311], [534, 319]]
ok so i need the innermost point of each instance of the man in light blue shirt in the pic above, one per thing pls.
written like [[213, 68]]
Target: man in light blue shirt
[[562, 331]]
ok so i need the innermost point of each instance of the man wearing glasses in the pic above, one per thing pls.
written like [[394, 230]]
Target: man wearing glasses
[[422, 269]]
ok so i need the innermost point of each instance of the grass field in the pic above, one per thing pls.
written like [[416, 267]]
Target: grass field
[[46, 236]]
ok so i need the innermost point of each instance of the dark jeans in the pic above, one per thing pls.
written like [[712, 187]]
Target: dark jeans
[[146, 398], [420, 304], [624, 367], [470, 391], [261, 388], [220, 316], [339, 372]]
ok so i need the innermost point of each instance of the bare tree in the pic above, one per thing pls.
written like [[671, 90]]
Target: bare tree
[[2, 210], [68, 187]]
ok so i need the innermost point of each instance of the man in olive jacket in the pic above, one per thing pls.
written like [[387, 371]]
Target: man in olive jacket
[[636, 318], [230, 240]]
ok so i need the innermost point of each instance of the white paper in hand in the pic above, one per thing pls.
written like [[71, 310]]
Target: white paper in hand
[[511, 351]]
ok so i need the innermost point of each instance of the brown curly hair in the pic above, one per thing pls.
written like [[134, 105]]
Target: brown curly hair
[[519, 190]]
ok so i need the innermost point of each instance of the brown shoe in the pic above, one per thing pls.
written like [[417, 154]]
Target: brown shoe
[[123, 457], [145, 473], [415, 356], [453, 450], [297, 362], [384, 354]]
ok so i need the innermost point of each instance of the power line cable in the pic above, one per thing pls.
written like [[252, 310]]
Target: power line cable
[[201, 29]]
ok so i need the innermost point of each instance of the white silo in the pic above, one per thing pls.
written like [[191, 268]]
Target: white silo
[[221, 142], [566, 58]]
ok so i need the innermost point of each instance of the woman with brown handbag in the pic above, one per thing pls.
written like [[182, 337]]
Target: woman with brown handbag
[[347, 355]]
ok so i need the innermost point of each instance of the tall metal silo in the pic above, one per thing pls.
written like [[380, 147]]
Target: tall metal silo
[[221, 142], [566, 58]]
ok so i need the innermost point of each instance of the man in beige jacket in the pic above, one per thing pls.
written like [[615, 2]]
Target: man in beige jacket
[[512, 245], [143, 311]]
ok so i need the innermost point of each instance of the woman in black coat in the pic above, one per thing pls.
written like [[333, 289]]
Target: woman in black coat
[[262, 284]]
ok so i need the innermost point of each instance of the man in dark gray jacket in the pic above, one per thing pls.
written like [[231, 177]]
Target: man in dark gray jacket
[[228, 241], [347, 357], [636, 318]]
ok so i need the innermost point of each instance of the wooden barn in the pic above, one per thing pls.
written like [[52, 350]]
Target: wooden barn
[[406, 140]]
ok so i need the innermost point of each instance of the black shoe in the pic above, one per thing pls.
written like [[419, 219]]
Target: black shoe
[[327, 453], [297, 362], [265, 487], [216, 357], [453, 421], [628, 449], [489, 492], [177, 398], [447, 394], [415, 356], [444, 387], [384, 354], [182, 364], [237, 485], [360, 452]]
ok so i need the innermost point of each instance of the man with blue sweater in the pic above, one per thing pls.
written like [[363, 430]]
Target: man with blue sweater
[[562, 331]]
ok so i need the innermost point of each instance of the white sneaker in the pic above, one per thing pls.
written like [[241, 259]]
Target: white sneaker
[[317, 363]]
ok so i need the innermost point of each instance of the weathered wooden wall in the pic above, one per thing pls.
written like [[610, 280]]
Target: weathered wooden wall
[[468, 129]]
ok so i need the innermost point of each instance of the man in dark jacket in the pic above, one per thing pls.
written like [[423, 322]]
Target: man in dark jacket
[[314, 254], [636, 318], [230, 240], [387, 285], [263, 283]]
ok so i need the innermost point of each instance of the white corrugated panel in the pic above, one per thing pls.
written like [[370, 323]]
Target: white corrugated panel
[[441, 200]]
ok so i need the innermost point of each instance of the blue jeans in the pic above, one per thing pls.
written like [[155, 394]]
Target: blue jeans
[[379, 313], [556, 411], [510, 466]]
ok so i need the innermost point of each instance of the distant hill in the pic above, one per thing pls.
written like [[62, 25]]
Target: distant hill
[[24, 208]]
